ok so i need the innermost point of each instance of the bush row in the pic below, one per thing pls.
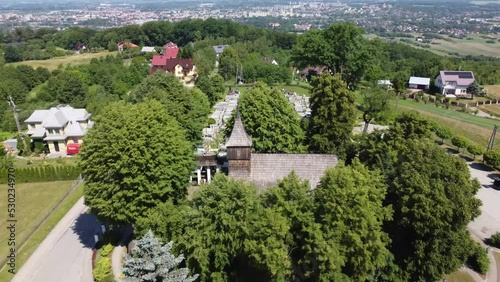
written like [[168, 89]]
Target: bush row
[[42, 174]]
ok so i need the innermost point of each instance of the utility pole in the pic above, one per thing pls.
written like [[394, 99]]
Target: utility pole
[[491, 143], [16, 118]]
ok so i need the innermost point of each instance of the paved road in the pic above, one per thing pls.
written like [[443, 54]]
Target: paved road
[[489, 220], [65, 254]]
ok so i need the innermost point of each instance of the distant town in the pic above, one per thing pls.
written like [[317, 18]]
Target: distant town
[[452, 18]]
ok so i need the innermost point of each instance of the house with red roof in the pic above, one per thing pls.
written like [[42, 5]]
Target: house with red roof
[[171, 50], [183, 69], [125, 44]]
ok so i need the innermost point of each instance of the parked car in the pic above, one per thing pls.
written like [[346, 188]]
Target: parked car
[[496, 183]]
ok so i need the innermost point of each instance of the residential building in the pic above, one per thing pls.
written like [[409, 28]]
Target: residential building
[[219, 49], [183, 69], [125, 44], [421, 83], [387, 83], [269, 61], [147, 49], [171, 50], [58, 127], [454, 82]]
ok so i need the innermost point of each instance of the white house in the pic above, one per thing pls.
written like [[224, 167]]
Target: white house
[[387, 83], [269, 61], [454, 82], [422, 83], [147, 49], [58, 127]]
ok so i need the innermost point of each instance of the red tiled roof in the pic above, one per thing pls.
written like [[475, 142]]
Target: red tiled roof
[[159, 60], [171, 53], [170, 45]]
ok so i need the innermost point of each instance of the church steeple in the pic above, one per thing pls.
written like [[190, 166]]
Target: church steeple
[[239, 137]]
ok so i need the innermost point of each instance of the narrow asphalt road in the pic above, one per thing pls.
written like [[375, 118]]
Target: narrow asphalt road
[[488, 222], [65, 254]]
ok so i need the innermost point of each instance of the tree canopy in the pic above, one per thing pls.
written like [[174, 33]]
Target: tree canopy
[[333, 115], [271, 121], [148, 161]]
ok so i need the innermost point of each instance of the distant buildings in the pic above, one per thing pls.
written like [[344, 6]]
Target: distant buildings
[[269, 61], [219, 49], [125, 44], [421, 83]]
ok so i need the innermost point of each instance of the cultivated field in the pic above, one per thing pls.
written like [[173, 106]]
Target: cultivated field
[[73, 60], [33, 202], [476, 46]]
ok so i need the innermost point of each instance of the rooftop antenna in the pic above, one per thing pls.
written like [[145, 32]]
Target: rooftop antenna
[[18, 125]]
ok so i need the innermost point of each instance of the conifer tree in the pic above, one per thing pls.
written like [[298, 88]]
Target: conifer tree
[[152, 261]]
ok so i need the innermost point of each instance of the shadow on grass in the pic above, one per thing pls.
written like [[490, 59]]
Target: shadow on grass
[[481, 167], [86, 226]]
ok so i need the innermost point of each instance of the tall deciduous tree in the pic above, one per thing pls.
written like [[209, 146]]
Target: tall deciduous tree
[[474, 89], [189, 107], [228, 62], [375, 102], [333, 114], [134, 158], [153, 261], [341, 47], [350, 210], [271, 121]]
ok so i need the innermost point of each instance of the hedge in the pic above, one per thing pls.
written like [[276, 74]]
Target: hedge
[[42, 174]]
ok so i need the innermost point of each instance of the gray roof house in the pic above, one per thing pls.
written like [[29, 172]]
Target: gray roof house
[[219, 49], [422, 83], [58, 127], [454, 82], [148, 49], [264, 170]]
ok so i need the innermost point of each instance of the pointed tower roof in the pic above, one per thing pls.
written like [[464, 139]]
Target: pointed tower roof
[[239, 137]]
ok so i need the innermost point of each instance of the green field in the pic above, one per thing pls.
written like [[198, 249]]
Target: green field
[[477, 129], [459, 276], [34, 201], [20, 163], [73, 60], [476, 46]]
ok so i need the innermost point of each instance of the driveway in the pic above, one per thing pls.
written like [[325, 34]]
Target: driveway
[[66, 253]]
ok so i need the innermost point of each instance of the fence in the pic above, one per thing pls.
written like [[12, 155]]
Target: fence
[[23, 241], [42, 174], [432, 99]]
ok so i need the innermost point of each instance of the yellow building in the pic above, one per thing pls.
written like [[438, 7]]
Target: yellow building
[[183, 69], [58, 127]]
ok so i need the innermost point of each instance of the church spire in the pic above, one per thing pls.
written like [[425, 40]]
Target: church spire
[[239, 137]]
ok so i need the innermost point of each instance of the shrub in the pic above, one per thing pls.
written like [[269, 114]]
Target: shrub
[[492, 158], [106, 250], [43, 174], [102, 269], [478, 259], [475, 150], [494, 240], [460, 142]]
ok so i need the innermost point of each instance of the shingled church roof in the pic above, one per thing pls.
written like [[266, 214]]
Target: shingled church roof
[[239, 137]]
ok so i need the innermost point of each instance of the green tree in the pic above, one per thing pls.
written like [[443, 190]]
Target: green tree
[[228, 62], [189, 107], [14, 88], [411, 125], [442, 132], [97, 99], [102, 270], [212, 86], [204, 59], [271, 121], [460, 142], [11, 54], [433, 201], [241, 240], [147, 162], [153, 261], [475, 149], [333, 115], [342, 193], [492, 158], [375, 102], [474, 89], [399, 82], [341, 47], [68, 87]]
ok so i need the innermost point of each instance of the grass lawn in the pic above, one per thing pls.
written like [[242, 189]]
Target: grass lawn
[[73, 60], [33, 202], [294, 88], [493, 91], [20, 163], [459, 276], [477, 129]]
